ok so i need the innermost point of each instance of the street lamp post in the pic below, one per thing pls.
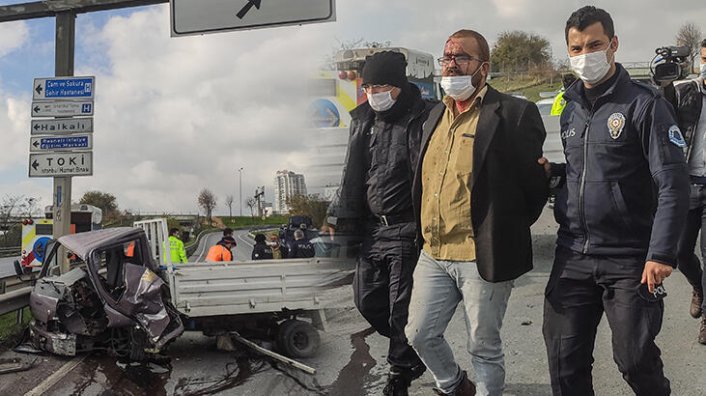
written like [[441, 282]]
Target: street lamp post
[[240, 190]]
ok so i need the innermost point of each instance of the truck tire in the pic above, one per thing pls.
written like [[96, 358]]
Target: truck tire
[[138, 342], [298, 339]]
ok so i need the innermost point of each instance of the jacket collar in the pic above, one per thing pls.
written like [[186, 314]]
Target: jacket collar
[[576, 91], [488, 122]]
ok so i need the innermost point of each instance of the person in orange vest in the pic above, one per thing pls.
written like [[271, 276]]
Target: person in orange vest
[[130, 249], [221, 250]]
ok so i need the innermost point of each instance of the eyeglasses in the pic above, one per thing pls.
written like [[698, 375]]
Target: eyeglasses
[[460, 60], [370, 87]]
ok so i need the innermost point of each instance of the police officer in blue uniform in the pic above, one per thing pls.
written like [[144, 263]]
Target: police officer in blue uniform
[[620, 208]]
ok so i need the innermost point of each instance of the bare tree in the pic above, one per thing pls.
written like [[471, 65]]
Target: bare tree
[[7, 207], [229, 204], [689, 35], [251, 204], [29, 206], [207, 202]]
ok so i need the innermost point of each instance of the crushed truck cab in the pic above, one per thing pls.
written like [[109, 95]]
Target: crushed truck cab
[[112, 298]]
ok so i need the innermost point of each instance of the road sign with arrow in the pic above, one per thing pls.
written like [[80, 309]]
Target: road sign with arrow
[[70, 142], [64, 88], [190, 17], [61, 164], [244, 11], [62, 108], [61, 126]]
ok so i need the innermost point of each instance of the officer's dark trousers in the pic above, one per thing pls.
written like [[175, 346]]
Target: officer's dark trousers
[[689, 264], [383, 286], [580, 289]]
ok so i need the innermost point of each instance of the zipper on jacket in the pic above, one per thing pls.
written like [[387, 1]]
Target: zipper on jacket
[[582, 187]]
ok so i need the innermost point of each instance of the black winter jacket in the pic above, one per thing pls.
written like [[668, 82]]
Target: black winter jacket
[[301, 249], [380, 162], [261, 251], [689, 106], [627, 188]]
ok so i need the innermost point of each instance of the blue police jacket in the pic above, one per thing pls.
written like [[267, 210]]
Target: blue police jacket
[[626, 189]]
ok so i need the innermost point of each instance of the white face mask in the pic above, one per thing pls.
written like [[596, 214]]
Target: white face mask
[[459, 88], [591, 67], [381, 101], [703, 71]]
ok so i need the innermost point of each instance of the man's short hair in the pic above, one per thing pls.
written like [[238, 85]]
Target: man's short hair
[[173, 231], [587, 16], [482, 42], [703, 43], [227, 231], [298, 234]]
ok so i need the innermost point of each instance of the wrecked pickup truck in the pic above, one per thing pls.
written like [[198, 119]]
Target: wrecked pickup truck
[[116, 297], [113, 298]]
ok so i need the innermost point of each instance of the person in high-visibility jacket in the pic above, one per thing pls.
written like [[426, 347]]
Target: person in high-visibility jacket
[[176, 247], [559, 102], [221, 250]]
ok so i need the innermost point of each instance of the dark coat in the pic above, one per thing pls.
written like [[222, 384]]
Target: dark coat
[[261, 251], [301, 249], [380, 160], [508, 186], [688, 107], [627, 186]]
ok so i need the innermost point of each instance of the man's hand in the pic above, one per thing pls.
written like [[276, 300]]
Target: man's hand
[[655, 273], [328, 229], [546, 165]]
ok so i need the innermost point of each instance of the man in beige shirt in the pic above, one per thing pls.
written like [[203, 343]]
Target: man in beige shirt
[[477, 190]]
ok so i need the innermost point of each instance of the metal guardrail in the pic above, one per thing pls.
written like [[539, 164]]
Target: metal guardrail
[[10, 251], [14, 300], [14, 294]]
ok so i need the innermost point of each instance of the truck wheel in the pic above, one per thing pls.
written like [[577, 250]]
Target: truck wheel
[[298, 339], [138, 342]]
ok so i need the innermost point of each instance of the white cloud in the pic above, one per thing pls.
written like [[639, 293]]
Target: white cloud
[[12, 36], [511, 8], [14, 118], [174, 115]]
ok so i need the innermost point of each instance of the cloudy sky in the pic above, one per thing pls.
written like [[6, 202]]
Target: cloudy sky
[[175, 115]]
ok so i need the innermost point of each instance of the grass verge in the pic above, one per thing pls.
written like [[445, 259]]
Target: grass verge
[[9, 329]]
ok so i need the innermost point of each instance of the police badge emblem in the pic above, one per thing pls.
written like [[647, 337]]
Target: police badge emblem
[[616, 122], [676, 137]]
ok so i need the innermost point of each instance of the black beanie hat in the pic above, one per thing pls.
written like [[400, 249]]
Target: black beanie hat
[[385, 67]]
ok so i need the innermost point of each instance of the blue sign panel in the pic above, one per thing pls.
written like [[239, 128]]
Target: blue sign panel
[[64, 142], [64, 88]]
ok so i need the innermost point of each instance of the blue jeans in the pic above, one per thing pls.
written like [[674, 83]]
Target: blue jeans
[[438, 288]]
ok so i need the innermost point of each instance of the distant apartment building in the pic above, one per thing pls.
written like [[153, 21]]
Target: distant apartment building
[[287, 185]]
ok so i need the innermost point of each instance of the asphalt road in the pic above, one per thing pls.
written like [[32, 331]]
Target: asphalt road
[[351, 360], [242, 252]]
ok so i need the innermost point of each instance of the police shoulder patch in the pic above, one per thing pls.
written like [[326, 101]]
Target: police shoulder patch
[[676, 137], [616, 123]]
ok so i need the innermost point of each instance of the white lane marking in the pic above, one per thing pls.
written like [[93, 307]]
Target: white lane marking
[[206, 246], [242, 238], [56, 377]]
